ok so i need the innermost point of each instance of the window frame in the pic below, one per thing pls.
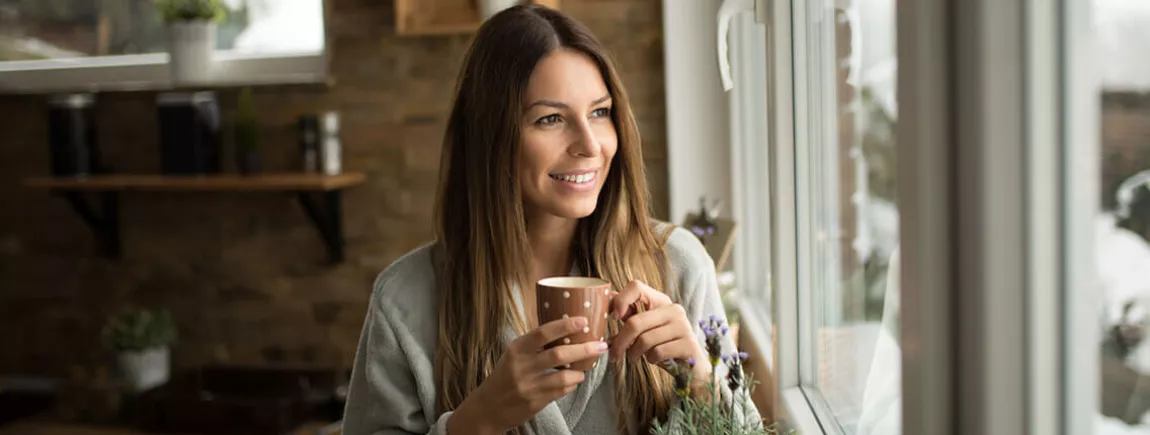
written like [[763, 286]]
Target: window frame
[[141, 72], [985, 88], [150, 71]]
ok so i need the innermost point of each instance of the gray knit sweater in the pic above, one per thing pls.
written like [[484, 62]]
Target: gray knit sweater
[[392, 388]]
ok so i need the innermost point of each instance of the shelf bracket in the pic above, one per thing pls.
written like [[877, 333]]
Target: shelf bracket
[[104, 223], [325, 212]]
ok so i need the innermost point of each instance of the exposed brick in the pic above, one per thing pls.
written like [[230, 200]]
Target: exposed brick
[[245, 274]]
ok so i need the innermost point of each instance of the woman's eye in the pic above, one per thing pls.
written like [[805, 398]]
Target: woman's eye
[[601, 112], [549, 119]]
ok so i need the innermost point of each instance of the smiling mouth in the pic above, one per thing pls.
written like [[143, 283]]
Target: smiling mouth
[[577, 178]]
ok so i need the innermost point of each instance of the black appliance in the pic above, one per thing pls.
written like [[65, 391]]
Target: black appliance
[[190, 133], [72, 135]]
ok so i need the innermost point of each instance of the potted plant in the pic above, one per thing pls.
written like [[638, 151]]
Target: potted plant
[[248, 156], [142, 340], [695, 416], [191, 37], [488, 8]]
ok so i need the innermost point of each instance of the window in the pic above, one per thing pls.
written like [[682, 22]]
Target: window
[[847, 211], [1122, 228], [60, 29], [48, 45], [987, 251]]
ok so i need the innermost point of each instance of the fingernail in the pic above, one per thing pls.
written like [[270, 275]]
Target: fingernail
[[600, 346], [580, 322]]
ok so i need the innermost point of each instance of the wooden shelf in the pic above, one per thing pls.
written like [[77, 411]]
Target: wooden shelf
[[319, 195], [443, 17], [208, 183]]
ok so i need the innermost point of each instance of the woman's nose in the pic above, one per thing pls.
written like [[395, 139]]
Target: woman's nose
[[585, 144]]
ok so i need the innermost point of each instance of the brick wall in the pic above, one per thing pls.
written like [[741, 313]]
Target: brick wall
[[244, 274]]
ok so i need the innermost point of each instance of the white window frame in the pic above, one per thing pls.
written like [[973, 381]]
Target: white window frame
[[150, 72], [997, 155], [143, 72], [999, 135]]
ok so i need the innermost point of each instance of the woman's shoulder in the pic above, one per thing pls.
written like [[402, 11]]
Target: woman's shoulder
[[408, 284], [685, 253]]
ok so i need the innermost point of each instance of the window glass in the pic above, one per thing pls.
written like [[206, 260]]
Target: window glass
[[853, 220], [1123, 228], [63, 29]]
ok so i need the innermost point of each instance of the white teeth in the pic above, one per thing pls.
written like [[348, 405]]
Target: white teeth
[[578, 179]]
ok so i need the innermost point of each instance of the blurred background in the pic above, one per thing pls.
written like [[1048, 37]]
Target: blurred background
[[198, 194], [235, 217]]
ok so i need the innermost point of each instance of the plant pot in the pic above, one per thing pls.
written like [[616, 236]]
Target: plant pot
[[249, 161], [143, 370], [190, 48], [488, 8]]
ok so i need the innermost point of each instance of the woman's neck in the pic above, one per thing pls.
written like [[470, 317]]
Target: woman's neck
[[550, 238]]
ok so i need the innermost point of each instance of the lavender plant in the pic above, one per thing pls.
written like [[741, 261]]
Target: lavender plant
[[713, 414]]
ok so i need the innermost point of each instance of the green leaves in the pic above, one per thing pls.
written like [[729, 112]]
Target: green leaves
[[136, 330], [246, 122], [703, 417], [191, 10], [692, 416]]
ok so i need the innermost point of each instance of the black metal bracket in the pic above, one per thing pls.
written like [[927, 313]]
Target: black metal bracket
[[102, 217], [104, 223], [327, 216]]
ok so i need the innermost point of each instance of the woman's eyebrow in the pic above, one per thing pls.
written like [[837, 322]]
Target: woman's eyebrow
[[558, 105], [548, 103]]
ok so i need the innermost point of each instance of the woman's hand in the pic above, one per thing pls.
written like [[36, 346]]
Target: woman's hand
[[520, 385], [660, 332]]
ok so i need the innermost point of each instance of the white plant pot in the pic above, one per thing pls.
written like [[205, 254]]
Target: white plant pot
[[190, 48], [145, 369], [488, 8]]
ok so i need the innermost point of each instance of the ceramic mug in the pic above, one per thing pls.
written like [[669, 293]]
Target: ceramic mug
[[572, 296]]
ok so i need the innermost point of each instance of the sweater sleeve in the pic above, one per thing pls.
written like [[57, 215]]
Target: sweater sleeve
[[383, 397], [700, 297]]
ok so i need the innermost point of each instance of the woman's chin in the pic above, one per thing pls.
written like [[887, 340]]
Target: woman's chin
[[574, 210]]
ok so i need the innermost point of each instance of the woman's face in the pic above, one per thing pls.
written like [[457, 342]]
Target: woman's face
[[568, 136]]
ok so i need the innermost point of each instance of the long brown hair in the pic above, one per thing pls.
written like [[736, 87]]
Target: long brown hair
[[480, 224]]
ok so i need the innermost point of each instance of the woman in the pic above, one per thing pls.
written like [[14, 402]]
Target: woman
[[541, 175]]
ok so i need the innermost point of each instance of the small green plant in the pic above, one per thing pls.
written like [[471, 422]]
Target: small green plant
[[139, 329], [191, 10], [247, 123], [698, 416]]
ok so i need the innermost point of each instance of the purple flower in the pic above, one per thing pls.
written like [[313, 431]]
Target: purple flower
[[681, 374], [713, 329]]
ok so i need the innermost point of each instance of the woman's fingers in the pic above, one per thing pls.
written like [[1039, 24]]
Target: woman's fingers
[[640, 323], [648, 340], [562, 355], [560, 383], [679, 349], [535, 340], [636, 292]]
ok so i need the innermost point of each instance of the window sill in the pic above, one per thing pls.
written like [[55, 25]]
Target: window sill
[[150, 72], [798, 414], [794, 410]]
